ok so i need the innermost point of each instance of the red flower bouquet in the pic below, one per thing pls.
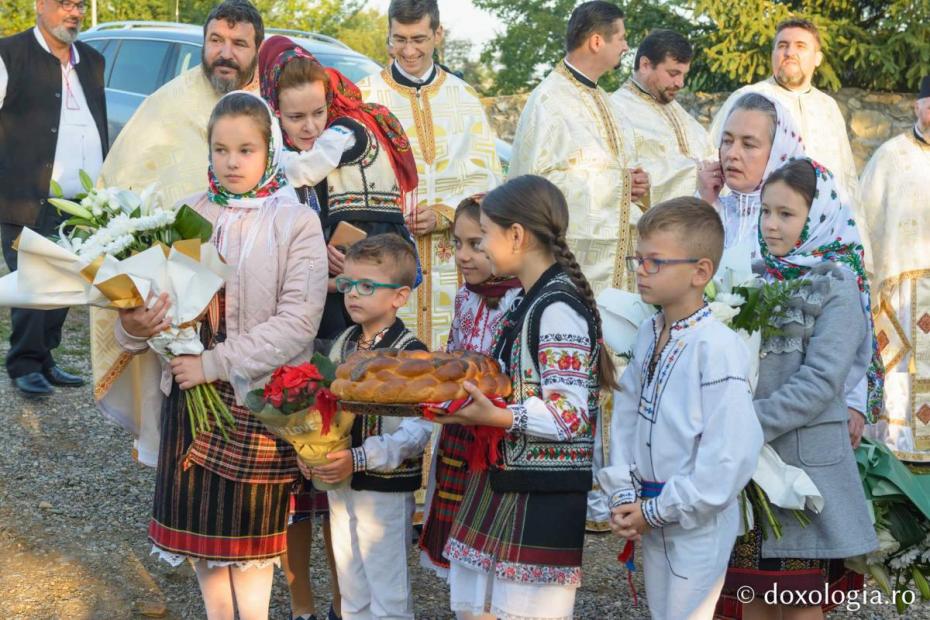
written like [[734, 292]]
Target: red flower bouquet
[[297, 405]]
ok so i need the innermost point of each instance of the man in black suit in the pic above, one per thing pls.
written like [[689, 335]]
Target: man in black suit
[[53, 124]]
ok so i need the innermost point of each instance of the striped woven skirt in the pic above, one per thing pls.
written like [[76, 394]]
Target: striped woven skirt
[[201, 515], [824, 582], [451, 482]]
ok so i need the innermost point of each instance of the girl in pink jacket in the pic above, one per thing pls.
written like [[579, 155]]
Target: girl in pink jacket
[[223, 503]]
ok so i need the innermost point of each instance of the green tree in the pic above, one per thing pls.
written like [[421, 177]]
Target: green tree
[[875, 44], [535, 37], [16, 16]]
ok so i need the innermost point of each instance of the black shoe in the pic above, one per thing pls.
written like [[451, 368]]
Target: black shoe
[[57, 376], [33, 385]]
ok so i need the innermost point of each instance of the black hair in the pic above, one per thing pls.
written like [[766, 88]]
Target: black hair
[[799, 175], [539, 206], [241, 104], [235, 11], [589, 18], [412, 11], [661, 44]]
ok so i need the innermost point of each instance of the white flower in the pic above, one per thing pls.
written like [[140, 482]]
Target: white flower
[[905, 559], [734, 300], [722, 312]]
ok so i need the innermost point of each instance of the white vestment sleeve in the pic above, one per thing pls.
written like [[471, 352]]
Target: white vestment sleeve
[[728, 449], [565, 365], [617, 478], [386, 452], [312, 166]]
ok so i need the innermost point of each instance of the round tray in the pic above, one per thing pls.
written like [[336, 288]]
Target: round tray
[[382, 409]]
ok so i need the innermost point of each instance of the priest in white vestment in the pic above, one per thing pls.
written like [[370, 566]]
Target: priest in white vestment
[[454, 147], [896, 215], [572, 133], [670, 143], [165, 143], [796, 54]]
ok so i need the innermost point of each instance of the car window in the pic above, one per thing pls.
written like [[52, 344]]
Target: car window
[[138, 66], [353, 67], [108, 48], [188, 56]]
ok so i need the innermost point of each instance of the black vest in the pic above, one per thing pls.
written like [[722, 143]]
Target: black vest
[[29, 120]]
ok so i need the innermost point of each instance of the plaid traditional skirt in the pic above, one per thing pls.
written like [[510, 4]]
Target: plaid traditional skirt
[[200, 514], [811, 576], [307, 502], [535, 538], [451, 482]]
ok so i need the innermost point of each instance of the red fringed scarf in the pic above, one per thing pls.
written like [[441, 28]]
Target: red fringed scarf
[[343, 99]]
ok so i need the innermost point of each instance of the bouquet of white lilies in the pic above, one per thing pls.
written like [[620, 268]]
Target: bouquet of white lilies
[[119, 249]]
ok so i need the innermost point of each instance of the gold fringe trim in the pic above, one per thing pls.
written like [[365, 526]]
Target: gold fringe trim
[[106, 382]]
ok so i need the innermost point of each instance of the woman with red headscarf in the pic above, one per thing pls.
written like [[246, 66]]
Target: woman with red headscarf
[[350, 160]]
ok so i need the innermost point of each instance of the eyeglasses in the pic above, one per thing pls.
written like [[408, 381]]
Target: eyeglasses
[[401, 42], [652, 265], [69, 5], [365, 287]]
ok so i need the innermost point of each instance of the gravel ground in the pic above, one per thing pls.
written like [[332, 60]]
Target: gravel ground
[[74, 508]]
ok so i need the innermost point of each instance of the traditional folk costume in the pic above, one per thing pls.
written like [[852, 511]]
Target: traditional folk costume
[[517, 540], [897, 219], [479, 310], [371, 521], [358, 171], [165, 143], [573, 134], [800, 401], [453, 144], [227, 501], [670, 143], [684, 441], [820, 122]]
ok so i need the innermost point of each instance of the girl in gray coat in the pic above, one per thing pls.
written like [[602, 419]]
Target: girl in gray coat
[[826, 340]]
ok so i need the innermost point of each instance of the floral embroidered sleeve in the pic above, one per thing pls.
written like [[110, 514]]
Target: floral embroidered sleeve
[[561, 412]]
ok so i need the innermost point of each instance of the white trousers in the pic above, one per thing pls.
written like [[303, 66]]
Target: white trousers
[[371, 533], [685, 569]]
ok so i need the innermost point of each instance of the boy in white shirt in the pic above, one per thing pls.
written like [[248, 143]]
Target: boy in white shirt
[[684, 436]]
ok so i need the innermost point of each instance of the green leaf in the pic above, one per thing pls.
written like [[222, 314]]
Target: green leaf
[[56, 189], [189, 224], [326, 367], [904, 525], [80, 221], [86, 182], [71, 208]]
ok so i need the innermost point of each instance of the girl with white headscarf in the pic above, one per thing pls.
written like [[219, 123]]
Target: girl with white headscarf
[[223, 503]]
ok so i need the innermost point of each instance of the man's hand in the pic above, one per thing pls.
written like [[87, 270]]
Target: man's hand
[[187, 371], [422, 221], [856, 428], [640, 180], [145, 322], [336, 259], [338, 469]]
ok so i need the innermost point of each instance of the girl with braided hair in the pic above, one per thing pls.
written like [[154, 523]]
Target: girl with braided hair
[[516, 543]]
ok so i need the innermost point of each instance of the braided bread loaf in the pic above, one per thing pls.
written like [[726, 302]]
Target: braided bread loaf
[[409, 377]]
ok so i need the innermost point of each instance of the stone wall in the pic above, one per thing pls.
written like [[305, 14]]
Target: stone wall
[[871, 117]]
